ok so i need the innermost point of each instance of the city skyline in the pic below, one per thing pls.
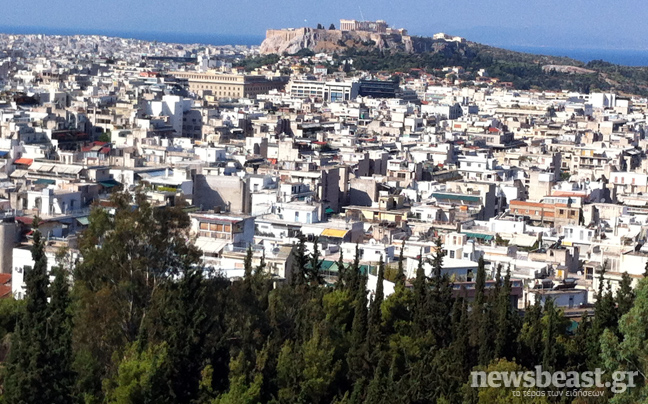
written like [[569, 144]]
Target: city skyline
[[577, 24]]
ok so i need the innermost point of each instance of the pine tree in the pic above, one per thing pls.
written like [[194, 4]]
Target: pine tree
[[128, 253], [28, 370], [241, 390]]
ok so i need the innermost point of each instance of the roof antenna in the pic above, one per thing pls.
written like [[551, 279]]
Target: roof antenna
[[361, 16]]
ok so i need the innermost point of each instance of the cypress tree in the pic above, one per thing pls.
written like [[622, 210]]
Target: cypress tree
[[341, 271], [549, 353], [480, 282], [440, 301], [506, 325], [356, 358], [28, 370], [375, 313], [300, 259], [486, 351], [186, 330], [420, 295], [247, 264], [60, 338], [353, 275], [314, 274], [530, 337], [625, 295], [477, 313], [400, 275]]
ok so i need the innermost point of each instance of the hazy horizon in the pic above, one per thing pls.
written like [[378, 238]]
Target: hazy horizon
[[593, 24]]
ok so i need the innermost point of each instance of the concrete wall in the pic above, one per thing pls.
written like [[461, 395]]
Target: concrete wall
[[215, 191], [363, 191]]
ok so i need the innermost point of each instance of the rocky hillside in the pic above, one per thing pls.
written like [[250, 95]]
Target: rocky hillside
[[320, 40]]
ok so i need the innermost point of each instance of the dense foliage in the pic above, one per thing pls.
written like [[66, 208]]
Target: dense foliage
[[144, 323], [507, 66]]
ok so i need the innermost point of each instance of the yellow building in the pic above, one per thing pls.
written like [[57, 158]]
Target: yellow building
[[228, 85]]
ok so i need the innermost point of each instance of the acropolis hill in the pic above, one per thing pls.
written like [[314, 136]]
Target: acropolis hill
[[359, 35]]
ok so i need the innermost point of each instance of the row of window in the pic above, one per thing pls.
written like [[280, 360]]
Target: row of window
[[200, 77], [215, 227], [209, 234]]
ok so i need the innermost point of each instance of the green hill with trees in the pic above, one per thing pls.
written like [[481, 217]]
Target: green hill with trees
[[524, 70], [143, 322]]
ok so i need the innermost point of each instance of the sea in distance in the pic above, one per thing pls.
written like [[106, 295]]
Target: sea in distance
[[626, 57], [618, 56]]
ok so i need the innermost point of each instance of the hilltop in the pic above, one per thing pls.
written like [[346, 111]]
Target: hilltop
[[400, 52], [323, 40]]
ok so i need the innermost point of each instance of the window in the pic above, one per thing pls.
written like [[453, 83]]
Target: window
[[452, 254], [204, 226], [296, 216]]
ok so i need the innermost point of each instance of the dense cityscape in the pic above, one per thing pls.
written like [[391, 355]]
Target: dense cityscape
[[189, 223]]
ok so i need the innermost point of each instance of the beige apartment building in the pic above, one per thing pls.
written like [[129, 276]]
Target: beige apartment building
[[229, 85]]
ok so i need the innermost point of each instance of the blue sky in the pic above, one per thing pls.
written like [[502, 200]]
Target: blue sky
[[619, 24]]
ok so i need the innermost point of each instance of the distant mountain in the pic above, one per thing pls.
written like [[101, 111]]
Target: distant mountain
[[395, 52]]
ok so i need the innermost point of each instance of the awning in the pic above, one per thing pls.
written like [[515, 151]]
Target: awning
[[334, 233], [24, 161], [211, 245], [18, 174], [109, 183], [329, 211], [3, 153], [44, 181], [485, 237], [83, 220], [523, 240]]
